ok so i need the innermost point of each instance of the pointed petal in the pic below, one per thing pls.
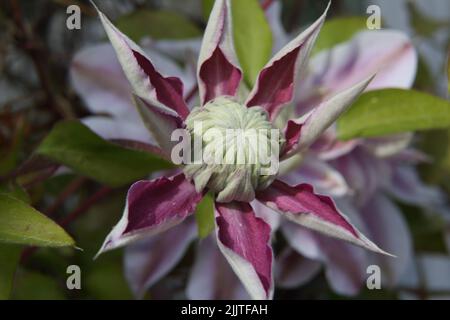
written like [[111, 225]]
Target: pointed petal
[[388, 53], [319, 174], [317, 212], [211, 277], [146, 81], [217, 70], [275, 85], [322, 117], [386, 225], [293, 270], [149, 260], [244, 240], [159, 121], [153, 207]]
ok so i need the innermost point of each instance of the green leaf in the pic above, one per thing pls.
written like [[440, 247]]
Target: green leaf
[[338, 30], [252, 37], [22, 224], [76, 146], [10, 257], [157, 25], [204, 216], [390, 111]]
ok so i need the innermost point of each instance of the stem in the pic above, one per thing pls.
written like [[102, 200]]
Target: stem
[[70, 189]]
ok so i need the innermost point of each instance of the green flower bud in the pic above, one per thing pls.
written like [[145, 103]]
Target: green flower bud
[[239, 149]]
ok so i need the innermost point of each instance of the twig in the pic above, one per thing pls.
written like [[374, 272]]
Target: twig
[[33, 49]]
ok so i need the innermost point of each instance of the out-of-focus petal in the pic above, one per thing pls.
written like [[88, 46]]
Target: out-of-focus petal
[[218, 72], [97, 77], [149, 260], [280, 37], [275, 83], [328, 147], [146, 81], [317, 212], [153, 207], [363, 173], [386, 225], [345, 265], [112, 128], [390, 54], [319, 174], [389, 145], [211, 277], [294, 270], [405, 184], [244, 240]]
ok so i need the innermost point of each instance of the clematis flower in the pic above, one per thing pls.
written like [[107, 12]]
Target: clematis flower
[[362, 174], [154, 206]]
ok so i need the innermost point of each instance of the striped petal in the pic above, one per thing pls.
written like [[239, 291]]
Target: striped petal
[[218, 72], [244, 240], [317, 212], [153, 207], [145, 80], [275, 83]]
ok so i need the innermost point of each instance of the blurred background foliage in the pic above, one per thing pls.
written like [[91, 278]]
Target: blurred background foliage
[[35, 52]]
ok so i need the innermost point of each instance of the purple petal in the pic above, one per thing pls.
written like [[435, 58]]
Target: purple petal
[[114, 128], [149, 260], [275, 84], [211, 277], [97, 77], [151, 208], [389, 54], [146, 81], [301, 205], [406, 185], [386, 225], [363, 173], [280, 37], [244, 240], [293, 270], [319, 174], [328, 147], [218, 72], [345, 265]]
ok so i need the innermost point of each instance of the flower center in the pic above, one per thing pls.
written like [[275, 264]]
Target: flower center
[[239, 149]]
